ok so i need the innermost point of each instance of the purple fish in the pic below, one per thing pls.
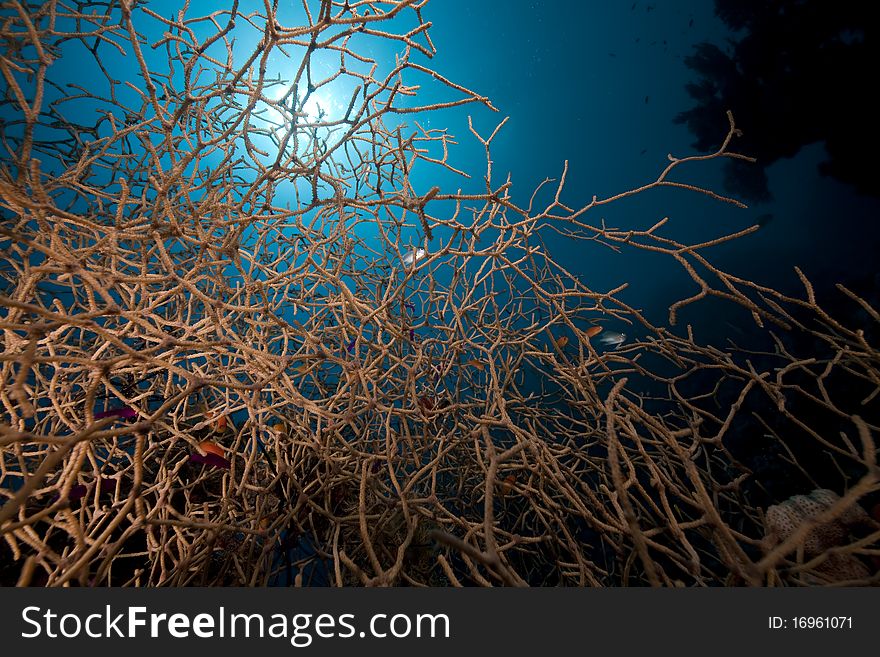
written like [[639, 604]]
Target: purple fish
[[410, 306], [210, 459], [108, 485], [412, 335], [77, 492], [124, 411], [351, 345], [81, 490]]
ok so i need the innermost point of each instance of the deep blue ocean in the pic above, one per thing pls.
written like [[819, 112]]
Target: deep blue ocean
[[600, 85]]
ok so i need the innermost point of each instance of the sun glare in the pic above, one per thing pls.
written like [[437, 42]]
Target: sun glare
[[319, 104]]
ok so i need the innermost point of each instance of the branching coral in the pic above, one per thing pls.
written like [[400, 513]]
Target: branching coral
[[211, 250]]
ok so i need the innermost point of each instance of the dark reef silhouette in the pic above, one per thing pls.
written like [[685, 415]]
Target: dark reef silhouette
[[794, 73]]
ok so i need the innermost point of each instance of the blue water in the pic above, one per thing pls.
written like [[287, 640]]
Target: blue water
[[598, 85]]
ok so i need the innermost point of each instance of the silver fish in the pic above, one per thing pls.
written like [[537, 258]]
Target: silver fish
[[611, 339], [413, 256]]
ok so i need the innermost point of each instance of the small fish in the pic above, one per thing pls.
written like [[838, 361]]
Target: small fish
[[561, 342], [105, 485], [735, 328], [77, 492], [647, 98], [302, 369], [108, 485], [124, 411], [426, 402], [612, 339], [351, 345], [210, 447], [691, 23], [410, 306], [506, 486], [220, 424], [210, 459], [412, 335], [217, 423], [593, 331], [476, 364], [764, 219], [413, 256]]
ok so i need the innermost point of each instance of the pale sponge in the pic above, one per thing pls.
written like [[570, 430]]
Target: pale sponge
[[784, 519]]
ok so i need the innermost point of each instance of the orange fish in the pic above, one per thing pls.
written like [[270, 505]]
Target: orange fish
[[506, 486], [220, 424], [426, 402], [210, 447], [561, 342], [476, 364], [302, 369], [217, 423], [593, 331]]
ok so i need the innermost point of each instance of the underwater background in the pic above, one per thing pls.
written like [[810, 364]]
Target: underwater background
[[318, 454], [603, 85]]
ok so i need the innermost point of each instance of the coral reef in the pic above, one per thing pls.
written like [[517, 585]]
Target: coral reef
[[249, 338]]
